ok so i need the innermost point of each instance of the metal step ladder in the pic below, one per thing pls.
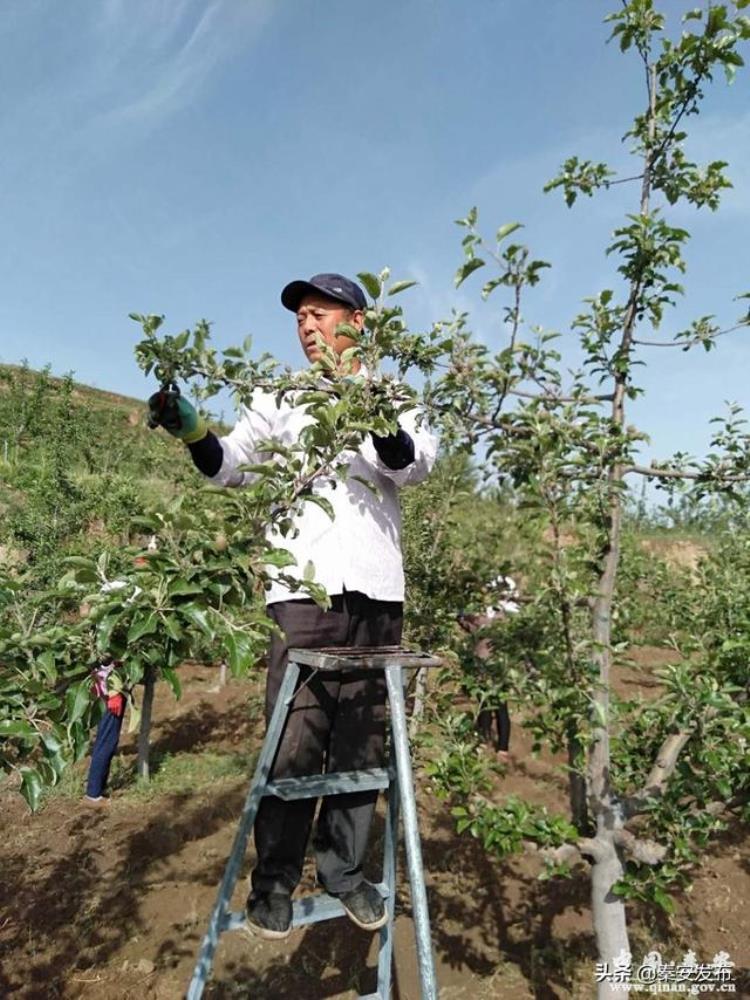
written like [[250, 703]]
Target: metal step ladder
[[397, 779]]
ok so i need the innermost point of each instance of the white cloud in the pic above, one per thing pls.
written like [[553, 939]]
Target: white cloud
[[435, 300], [157, 60], [111, 68]]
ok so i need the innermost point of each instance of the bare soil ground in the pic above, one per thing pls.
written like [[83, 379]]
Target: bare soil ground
[[113, 904]]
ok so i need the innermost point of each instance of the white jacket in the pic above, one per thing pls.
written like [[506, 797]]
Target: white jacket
[[361, 548]]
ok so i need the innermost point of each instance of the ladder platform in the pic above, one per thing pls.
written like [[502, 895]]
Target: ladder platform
[[308, 910], [338, 658], [312, 786]]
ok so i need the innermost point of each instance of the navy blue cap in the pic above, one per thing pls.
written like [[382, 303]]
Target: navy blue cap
[[333, 286]]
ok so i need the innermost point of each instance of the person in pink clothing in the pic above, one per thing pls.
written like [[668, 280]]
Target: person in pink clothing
[[107, 732]]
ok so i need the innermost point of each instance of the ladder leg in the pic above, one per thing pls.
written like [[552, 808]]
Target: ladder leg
[[247, 818], [390, 846], [394, 680]]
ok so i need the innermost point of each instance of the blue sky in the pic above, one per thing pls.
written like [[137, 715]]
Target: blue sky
[[189, 157]]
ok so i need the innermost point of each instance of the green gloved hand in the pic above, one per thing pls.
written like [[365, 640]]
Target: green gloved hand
[[167, 408]]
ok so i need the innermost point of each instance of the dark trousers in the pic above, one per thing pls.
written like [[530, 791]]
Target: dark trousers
[[500, 717], [335, 723], [105, 747]]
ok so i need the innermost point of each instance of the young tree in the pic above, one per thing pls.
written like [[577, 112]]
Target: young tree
[[568, 450], [198, 586], [42, 702]]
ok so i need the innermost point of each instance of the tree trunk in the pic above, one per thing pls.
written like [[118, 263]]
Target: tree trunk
[[222, 678], [609, 916], [608, 910], [577, 786], [144, 733]]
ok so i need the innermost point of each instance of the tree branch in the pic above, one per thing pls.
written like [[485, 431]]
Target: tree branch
[[566, 854], [661, 771], [691, 92], [648, 852], [550, 397], [624, 180], [512, 347], [718, 807], [656, 473], [684, 344]]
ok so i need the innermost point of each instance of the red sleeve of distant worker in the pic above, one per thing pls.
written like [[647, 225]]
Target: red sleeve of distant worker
[[116, 705]]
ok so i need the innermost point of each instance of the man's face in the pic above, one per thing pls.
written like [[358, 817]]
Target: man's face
[[318, 317]]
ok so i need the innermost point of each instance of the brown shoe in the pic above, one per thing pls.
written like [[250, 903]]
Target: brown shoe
[[98, 802]]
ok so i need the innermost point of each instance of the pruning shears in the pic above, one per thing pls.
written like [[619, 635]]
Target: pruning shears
[[163, 407]]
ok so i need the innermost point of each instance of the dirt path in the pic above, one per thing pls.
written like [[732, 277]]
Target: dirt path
[[113, 904]]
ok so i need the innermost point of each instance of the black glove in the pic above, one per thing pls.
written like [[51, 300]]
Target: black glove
[[396, 451]]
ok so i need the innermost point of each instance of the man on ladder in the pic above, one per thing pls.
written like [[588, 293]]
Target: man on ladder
[[337, 721]]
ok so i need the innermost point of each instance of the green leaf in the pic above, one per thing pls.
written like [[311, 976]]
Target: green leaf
[[80, 561], [371, 283], [400, 286], [10, 727], [347, 330], [104, 630], [51, 744], [134, 717], [181, 587], [77, 699], [663, 900], [599, 714], [323, 502], [198, 617], [79, 739], [489, 287], [46, 661], [466, 269], [261, 469], [507, 229], [31, 787], [308, 574], [171, 677], [240, 652], [46, 771], [279, 558], [319, 594], [171, 627], [143, 626]]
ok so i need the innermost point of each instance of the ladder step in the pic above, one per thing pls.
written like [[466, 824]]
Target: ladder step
[[311, 786], [308, 910]]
